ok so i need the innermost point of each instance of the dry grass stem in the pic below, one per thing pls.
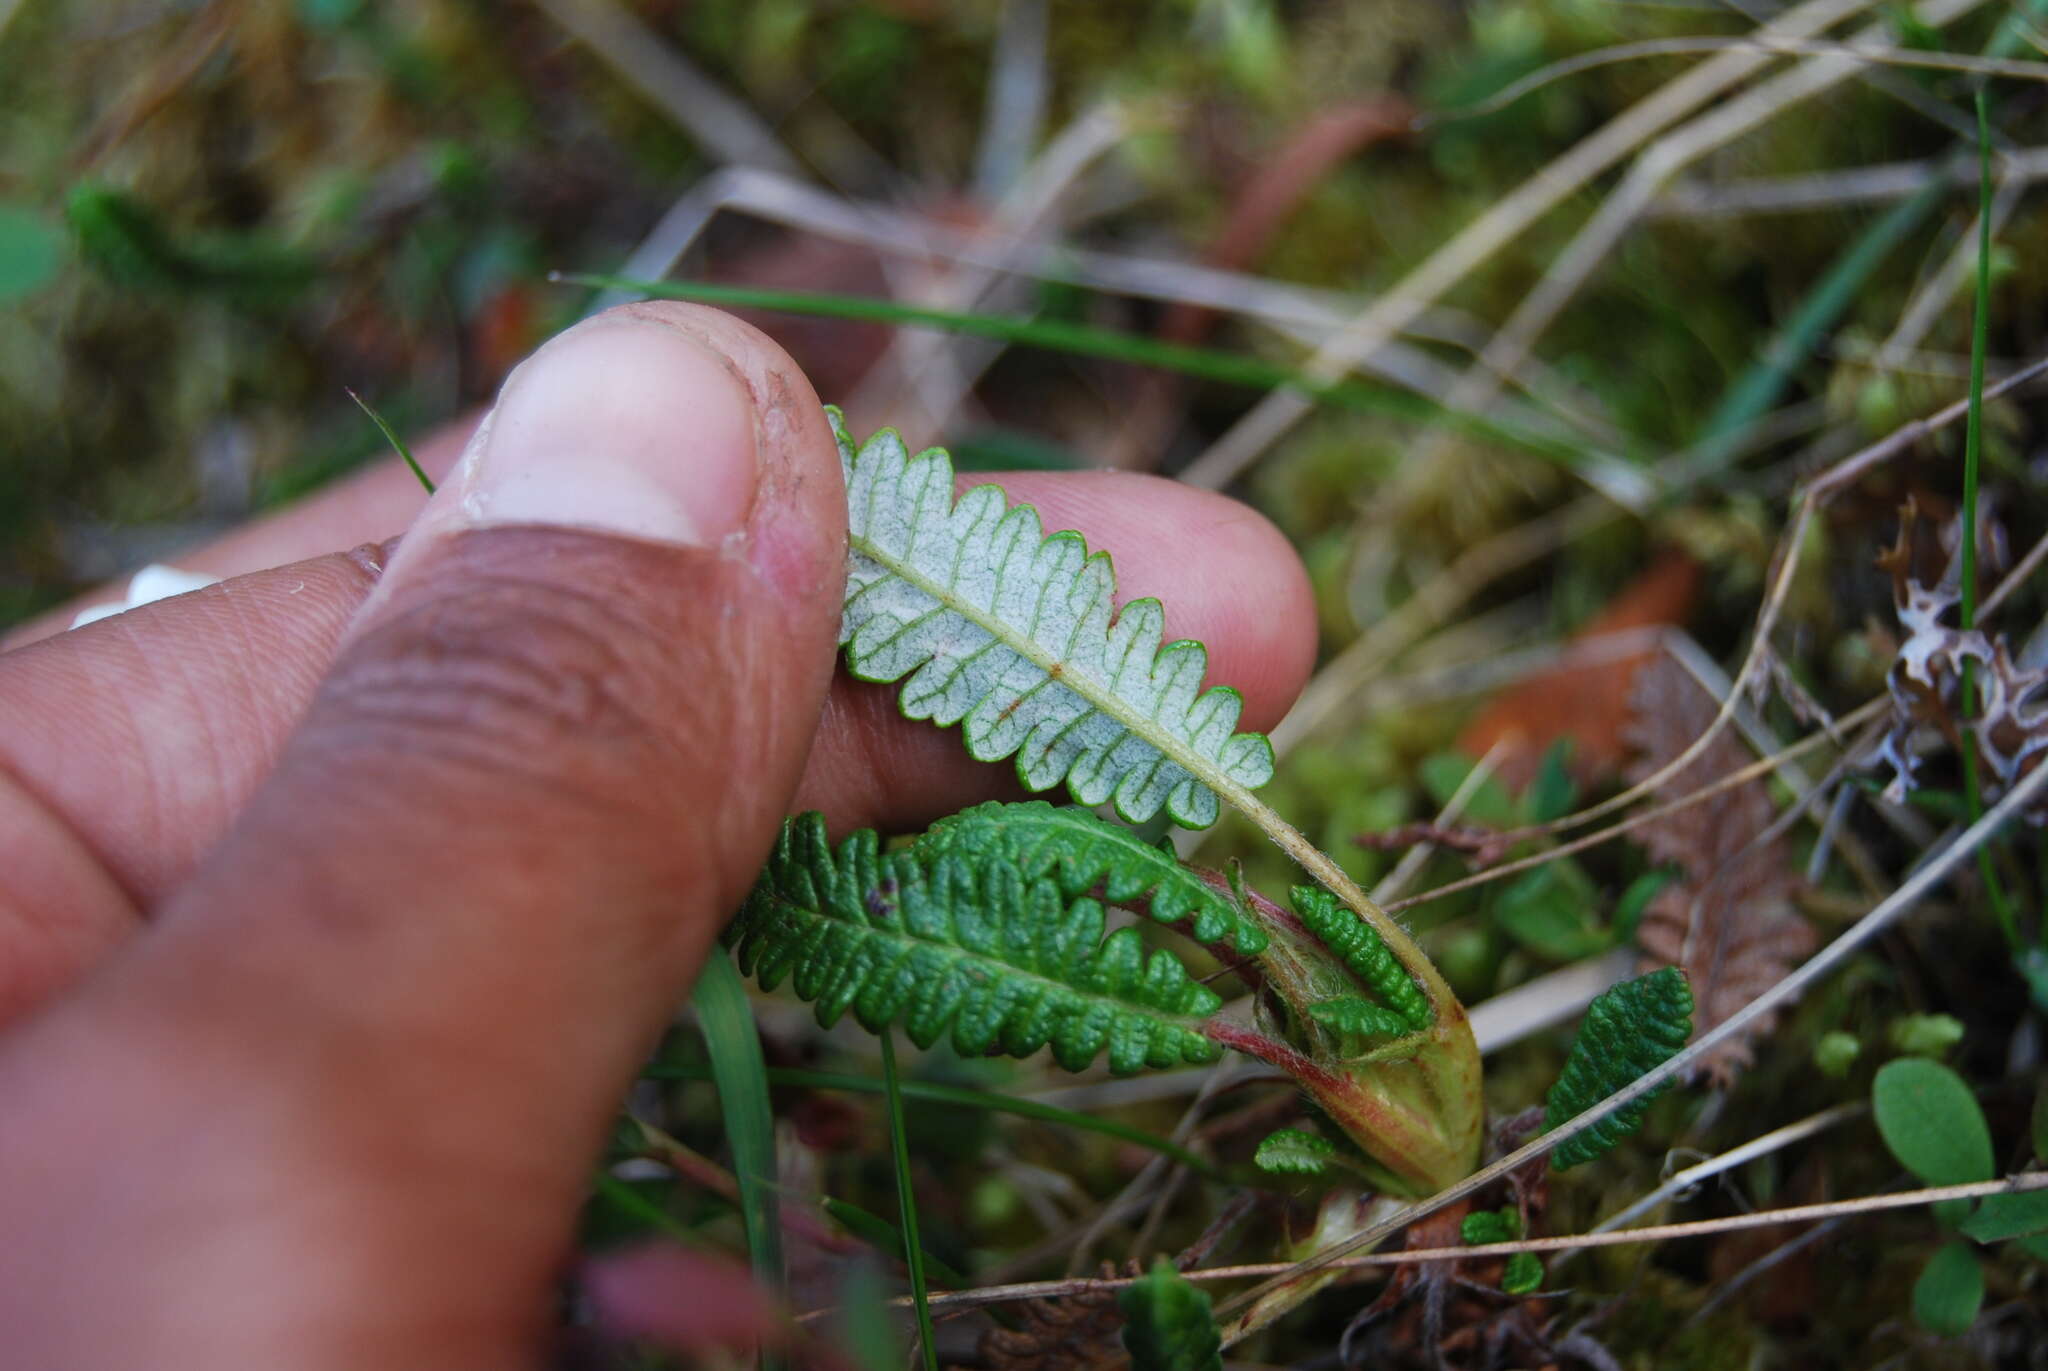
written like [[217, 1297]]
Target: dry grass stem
[[1764, 766], [1595, 243], [1860, 53], [1916, 886], [1826, 190], [2020, 1183], [725, 126], [1817, 493], [1502, 224]]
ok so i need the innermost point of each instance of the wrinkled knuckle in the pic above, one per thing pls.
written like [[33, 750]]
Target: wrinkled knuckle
[[500, 676]]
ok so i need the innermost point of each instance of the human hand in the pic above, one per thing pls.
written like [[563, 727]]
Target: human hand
[[340, 901]]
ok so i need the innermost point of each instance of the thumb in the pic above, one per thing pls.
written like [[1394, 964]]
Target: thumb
[[398, 1004]]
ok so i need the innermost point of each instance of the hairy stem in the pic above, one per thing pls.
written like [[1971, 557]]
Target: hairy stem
[[1331, 877], [1399, 1114]]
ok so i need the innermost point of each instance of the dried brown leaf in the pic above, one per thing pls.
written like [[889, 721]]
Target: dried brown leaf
[[1586, 703], [1076, 1332], [1730, 923]]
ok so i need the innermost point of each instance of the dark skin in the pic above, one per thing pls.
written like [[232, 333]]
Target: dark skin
[[338, 903]]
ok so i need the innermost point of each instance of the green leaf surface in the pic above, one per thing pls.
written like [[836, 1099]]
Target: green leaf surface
[[1443, 774], [1491, 1225], [2000, 1217], [1949, 1292], [1015, 636], [1931, 1122], [1553, 792], [949, 947], [1630, 1029], [1292, 1152], [864, 1324], [31, 251], [1925, 1035], [1524, 1274], [2032, 964], [1079, 851], [1835, 1053], [1167, 1323], [1628, 910], [1545, 911], [1354, 1016], [129, 243], [1364, 952]]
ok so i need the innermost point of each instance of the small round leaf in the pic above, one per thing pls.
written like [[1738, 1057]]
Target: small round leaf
[[31, 250], [1931, 1122], [1523, 1275], [1949, 1292]]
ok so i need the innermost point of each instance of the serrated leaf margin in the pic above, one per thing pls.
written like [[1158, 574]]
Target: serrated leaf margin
[[1032, 659]]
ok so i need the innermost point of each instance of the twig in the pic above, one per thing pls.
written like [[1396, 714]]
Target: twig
[[1503, 223], [1371, 652], [2020, 1183], [1147, 1181], [1546, 1000], [1593, 246], [1816, 493], [1915, 887], [1413, 859], [1763, 766], [1295, 310], [1735, 1284], [937, 371], [1777, 47], [1015, 110], [1833, 189], [1760, 1146], [2017, 577], [722, 124]]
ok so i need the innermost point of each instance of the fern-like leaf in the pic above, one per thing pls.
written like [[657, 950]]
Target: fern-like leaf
[[1167, 1323], [1292, 1152], [1630, 1029], [1356, 1016], [1016, 636], [1363, 950], [1523, 1274], [951, 945], [1079, 851], [1491, 1225]]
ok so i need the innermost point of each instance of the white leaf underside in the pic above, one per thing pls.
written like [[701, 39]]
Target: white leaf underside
[[1015, 636]]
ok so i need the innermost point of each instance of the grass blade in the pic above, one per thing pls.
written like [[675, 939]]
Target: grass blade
[[1973, 445], [631, 1201], [886, 1238], [1083, 340], [741, 1076], [391, 437], [933, 1092], [1758, 388], [913, 1247]]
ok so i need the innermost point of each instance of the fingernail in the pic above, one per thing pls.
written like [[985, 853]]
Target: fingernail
[[622, 426]]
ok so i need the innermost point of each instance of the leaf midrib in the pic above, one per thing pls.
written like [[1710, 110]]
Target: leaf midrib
[[978, 962], [1146, 729]]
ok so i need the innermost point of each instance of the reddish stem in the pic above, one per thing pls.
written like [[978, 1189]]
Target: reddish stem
[[1238, 1038]]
